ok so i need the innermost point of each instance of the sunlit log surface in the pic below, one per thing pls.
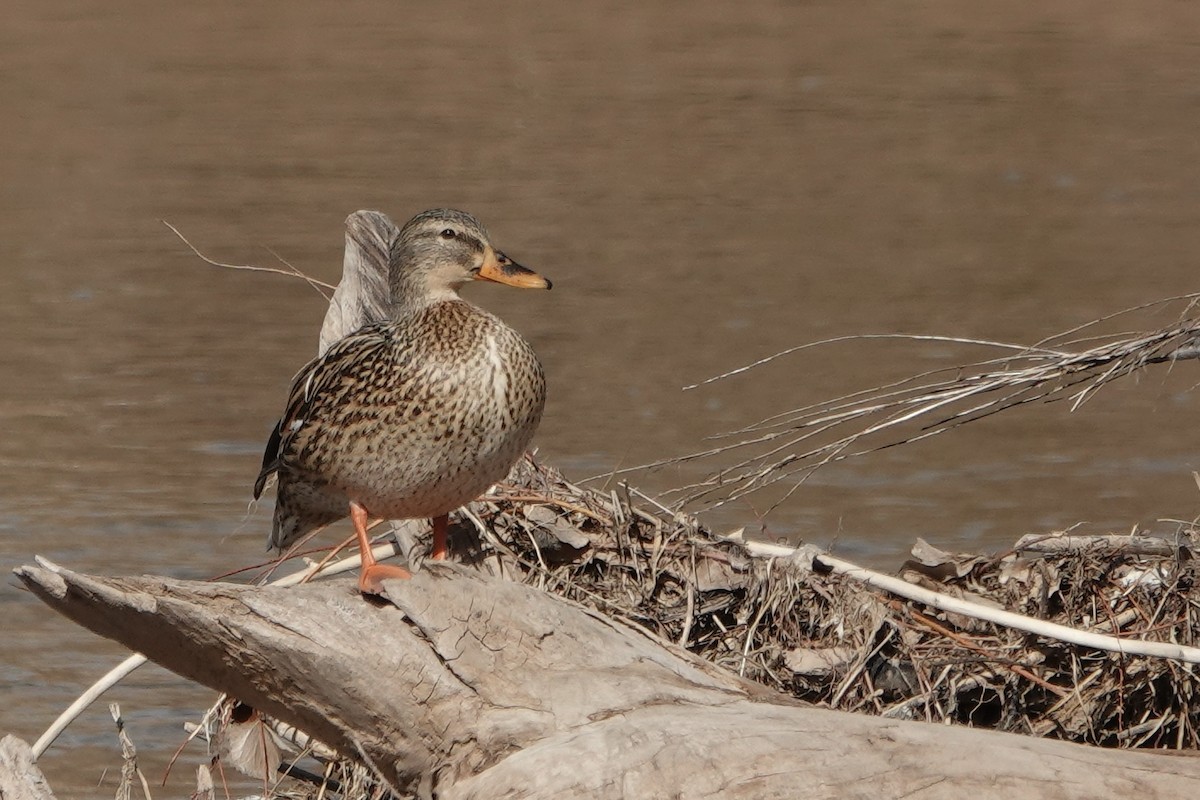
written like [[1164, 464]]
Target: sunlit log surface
[[463, 686]]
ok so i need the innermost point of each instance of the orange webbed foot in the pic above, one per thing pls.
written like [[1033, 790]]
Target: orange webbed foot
[[370, 580], [373, 574]]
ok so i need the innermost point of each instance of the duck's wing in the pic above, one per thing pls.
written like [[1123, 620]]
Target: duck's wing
[[270, 461], [312, 384]]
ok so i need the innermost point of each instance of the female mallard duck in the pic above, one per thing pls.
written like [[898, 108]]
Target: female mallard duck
[[415, 415]]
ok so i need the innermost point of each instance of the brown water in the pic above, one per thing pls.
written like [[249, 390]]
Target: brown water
[[706, 184]]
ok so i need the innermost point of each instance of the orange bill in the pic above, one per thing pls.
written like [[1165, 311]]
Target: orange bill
[[502, 269]]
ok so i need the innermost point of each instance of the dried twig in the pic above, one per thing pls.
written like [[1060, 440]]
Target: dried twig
[[291, 271]]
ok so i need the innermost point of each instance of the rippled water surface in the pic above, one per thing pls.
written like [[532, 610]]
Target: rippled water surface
[[706, 184]]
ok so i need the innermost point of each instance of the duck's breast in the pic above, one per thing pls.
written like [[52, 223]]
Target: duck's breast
[[432, 419]]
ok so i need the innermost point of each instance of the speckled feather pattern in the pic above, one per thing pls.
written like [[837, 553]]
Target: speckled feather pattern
[[411, 417]]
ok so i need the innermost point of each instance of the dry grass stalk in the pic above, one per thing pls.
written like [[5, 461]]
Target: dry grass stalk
[[790, 446], [129, 766]]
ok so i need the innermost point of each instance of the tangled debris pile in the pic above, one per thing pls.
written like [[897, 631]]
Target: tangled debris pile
[[830, 640]]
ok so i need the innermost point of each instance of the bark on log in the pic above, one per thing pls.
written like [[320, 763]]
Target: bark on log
[[469, 687]]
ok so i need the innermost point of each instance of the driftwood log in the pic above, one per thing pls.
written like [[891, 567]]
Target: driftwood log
[[465, 686]]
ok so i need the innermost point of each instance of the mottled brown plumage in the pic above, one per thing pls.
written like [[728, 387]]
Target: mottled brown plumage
[[415, 415]]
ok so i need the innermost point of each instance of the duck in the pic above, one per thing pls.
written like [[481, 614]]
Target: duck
[[414, 415]]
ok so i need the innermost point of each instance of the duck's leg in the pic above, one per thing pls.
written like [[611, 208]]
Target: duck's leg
[[372, 574], [440, 525]]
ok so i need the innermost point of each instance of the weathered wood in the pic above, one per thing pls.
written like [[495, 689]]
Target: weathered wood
[[470, 687], [20, 779], [1125, 543]]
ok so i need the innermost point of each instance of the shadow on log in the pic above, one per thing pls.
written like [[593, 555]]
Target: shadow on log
[[464, 686]]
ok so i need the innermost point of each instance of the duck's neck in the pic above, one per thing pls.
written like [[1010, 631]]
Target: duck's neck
[[405, 304], [412, 290]]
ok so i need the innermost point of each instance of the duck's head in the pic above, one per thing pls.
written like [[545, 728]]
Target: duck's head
[[440, 250]]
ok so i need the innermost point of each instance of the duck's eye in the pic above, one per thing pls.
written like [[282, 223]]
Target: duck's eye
[[448, 233]]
